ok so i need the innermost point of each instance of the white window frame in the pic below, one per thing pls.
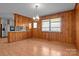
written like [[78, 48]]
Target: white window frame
[[44, 26], [53, 21]]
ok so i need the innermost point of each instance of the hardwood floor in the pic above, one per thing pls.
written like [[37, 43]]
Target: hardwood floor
[[32, 47]]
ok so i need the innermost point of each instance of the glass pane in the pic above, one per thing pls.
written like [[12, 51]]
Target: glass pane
[[34, 25], [56, 24], [45, 23], [56, 29], [45, 29], [30, 25]]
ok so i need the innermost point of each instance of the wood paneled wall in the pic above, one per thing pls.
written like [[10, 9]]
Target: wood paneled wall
[[66, 35], [77, 24]]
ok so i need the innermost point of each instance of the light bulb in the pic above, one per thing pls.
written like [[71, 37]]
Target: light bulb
[[37, 17], [34, 18]]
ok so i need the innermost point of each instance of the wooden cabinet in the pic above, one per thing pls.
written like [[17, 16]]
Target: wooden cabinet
[[16, 36], [20, 20]]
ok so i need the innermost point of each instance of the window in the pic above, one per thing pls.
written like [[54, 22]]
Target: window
[[34, 25], [30, 25], [45, 25], [53, 25], [56, 24]]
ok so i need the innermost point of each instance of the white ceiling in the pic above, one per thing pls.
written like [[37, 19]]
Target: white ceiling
[[27, 9]]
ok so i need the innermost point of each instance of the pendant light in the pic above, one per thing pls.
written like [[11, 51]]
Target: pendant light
[[36, 16]]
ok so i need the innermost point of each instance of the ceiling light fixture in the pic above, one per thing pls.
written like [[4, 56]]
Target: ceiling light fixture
[[36, 16]]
